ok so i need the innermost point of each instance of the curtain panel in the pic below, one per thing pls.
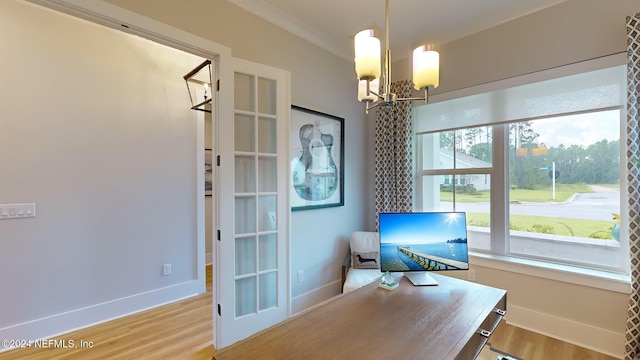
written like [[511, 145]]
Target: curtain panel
[[632, 337], [394, 154]]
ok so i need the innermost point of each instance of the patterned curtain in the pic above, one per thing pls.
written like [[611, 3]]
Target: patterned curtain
[[394, 154], [632, 343]]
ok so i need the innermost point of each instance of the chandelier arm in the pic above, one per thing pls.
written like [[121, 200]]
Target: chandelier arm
[[425, 97], [411, 99], [374, 105], [376, 94]]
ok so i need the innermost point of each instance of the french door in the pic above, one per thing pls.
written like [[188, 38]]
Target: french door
[[253, 208]]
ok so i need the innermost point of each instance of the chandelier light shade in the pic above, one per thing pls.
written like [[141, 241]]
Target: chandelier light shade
[[374, 81], [426, 68], [367, 49], [374, 87]]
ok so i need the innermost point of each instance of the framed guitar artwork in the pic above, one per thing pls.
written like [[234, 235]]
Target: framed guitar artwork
[[317, 157]]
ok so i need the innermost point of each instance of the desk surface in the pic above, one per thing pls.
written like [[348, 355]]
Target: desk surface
[[410, 322]]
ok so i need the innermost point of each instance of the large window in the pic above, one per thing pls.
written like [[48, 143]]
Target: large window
[[535, 167], [455, 175]]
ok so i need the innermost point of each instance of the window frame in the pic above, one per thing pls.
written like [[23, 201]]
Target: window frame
[[500, 257]]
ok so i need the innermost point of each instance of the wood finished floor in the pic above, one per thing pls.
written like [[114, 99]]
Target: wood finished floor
[[183, 330]]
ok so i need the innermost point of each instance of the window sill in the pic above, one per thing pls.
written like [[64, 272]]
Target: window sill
[[573, 275]]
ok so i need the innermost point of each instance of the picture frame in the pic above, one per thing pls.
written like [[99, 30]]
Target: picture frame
[[317, 159], [208, 172]]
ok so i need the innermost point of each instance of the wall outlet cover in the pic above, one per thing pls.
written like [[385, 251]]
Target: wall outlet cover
[[166, 269]]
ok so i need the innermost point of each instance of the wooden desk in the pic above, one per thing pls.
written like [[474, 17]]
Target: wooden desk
[[410, 322]]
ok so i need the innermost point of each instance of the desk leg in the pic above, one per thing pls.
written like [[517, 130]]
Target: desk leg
[[503, 355]]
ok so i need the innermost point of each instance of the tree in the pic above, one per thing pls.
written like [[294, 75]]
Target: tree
[[524, 167], [522, 133], [598, 163], [446, 140], [482, 151], [472, 136]]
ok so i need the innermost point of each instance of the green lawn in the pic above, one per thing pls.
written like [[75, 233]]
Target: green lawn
[[598, 229], [563, 193]]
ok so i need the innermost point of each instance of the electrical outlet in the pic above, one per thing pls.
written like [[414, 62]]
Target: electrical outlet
[[471, 275], [166, 269], [300, 275]]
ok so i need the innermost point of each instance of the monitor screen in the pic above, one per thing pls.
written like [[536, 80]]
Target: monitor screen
[[424, 241]]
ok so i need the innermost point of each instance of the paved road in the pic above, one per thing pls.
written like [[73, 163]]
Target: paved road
[[596, 206]]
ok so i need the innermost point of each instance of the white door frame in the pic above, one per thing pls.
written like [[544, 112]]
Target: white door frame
[[103, 13]]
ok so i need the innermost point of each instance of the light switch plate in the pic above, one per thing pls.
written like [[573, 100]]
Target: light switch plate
[[17, 211], [166, 269]]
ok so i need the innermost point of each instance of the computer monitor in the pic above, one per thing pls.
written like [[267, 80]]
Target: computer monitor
[[415, 243]]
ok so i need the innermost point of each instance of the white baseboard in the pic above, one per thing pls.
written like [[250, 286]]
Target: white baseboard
[[587, 336], [208, 259], [58, 324], [309, 299]]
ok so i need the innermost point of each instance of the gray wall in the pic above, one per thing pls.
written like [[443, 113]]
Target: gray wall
[[572, 31], [96, 130]]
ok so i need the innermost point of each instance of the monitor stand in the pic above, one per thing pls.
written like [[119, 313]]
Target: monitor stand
[[420, 278]]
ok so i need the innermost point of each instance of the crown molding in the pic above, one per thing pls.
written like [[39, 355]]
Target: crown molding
[[294, 26]]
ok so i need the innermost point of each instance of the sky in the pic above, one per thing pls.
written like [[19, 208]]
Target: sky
[[421, 228], [589, 129]]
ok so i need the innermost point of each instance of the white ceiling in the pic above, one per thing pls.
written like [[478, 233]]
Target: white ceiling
[[332, 24]]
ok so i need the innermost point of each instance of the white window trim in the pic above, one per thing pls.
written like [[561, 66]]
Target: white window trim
[[570, 274], [601, 279]]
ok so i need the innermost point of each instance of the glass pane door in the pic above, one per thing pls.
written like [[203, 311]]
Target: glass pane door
[[254, 207], [256, 197]]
